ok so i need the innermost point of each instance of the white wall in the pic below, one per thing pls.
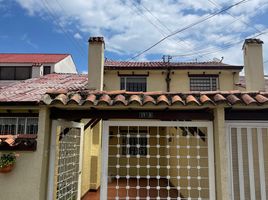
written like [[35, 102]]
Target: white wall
[[64, 66]]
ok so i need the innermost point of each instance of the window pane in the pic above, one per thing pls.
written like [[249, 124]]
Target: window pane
[[7, 73], [23, 73], [47, 70], [203, 83], [135, 84]]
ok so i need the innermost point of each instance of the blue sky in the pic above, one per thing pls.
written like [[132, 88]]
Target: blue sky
[[130, 26]]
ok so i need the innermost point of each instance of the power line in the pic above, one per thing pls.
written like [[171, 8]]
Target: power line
[[188, 27], [66, 33], [246, 23]]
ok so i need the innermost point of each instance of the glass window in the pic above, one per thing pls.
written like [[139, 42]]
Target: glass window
[[203, 83], [47, 70], [18, 125], [133, 83], [23, 73], [7, 73], [15, 73]]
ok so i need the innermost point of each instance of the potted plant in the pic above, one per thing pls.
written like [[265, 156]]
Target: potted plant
[[7, 162]]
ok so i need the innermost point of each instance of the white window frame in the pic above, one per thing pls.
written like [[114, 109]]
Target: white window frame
[[17, 123], [105, 148], [246, 124], [126, 78], [210, 79]]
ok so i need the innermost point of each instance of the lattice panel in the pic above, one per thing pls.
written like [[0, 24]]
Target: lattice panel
[[68, 164], [249, 161], [158, 163]]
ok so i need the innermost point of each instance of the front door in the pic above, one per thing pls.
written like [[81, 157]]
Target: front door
[[65, 160]]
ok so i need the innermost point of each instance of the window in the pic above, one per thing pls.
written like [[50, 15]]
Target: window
[[47, 70], [203, 83], [18, 125], [133, 83], [15, 73]]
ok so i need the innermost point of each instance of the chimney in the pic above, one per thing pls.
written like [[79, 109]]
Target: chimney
[[96, 63], [253, 63]]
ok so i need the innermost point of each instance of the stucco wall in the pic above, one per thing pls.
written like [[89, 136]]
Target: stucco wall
[[28, 180], [86, 164], [66, 65], [180, 81]]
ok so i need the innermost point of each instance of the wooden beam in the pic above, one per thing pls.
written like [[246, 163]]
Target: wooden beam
[[165, 115], [26, 114], [232, 114]]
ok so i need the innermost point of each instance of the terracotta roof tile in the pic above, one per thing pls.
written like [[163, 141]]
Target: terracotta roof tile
[[177, 99], [33, 90], [170, 99], [126, 65], [261, 99], [148, 99], [162, 99]]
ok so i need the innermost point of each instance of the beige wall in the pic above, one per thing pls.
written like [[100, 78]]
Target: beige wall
[[95, 149], [86, 163], [28, 180], [180, 81]]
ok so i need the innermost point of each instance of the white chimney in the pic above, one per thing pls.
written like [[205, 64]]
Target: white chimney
[[253, 64], [96, 63]]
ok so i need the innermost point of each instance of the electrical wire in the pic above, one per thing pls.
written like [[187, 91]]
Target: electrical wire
[[188, 27], [66, 33]]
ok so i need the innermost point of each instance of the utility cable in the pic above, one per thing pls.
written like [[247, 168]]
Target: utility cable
[[188, 27]]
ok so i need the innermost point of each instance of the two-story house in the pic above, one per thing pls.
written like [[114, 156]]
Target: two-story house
[[139, 130], [15, 67]]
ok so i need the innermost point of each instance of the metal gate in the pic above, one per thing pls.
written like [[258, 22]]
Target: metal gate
[[65, 161], [248, 146], [157, 160]]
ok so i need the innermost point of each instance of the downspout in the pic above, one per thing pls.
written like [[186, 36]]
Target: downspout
[[168, 79]]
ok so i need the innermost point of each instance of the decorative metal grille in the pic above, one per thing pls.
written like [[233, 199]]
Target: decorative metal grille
[[18, 125], [68, 164], [175, 165], [203, 83], [132, 83], [249, 161]]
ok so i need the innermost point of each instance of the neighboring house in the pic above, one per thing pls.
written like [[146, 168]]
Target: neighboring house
[[15, 67], [139, 130]]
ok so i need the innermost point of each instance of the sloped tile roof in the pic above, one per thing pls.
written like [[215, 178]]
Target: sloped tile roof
[[32, 90], [114, 98], [72, 89], [31, 58], [126, 65]]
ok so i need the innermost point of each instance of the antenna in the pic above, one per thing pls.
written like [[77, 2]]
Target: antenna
[[166, 58]]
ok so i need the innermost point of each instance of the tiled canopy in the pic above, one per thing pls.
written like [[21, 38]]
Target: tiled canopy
[[124, 98]]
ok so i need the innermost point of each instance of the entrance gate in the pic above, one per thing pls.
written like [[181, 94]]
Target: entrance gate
[[65, 161], [157, 160], [248, 145]]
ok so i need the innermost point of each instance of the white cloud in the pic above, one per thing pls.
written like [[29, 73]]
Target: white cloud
[[77, 36], [127, 26]]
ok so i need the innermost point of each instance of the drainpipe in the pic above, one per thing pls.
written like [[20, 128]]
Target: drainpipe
[[168, 79]]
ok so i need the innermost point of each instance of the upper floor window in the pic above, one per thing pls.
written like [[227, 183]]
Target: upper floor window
[[133, 83], [47, 70], [15, 73], [203, 83]]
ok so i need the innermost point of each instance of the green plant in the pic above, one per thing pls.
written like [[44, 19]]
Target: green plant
[[7, 159]]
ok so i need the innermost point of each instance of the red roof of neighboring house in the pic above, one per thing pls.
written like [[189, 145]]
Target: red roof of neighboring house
[[31, 58], [127, 65], [32, 90]]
